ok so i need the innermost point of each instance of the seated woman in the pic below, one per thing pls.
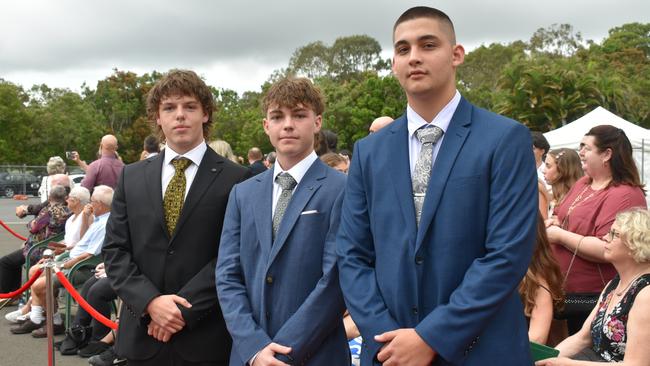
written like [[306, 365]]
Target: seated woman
[[541, 288], [617, 329], [336, 161]]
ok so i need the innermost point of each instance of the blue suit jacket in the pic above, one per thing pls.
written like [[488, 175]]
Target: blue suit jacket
[[455, 278], [286, 291]]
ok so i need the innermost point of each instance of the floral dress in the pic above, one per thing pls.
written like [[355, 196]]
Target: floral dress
[[609, 331], [49, 222]]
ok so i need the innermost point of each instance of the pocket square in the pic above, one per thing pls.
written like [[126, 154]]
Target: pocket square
[[310, 212]]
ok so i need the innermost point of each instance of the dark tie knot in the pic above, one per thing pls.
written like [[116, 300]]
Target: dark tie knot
[[429, 134], [286, 181], [180, 164]]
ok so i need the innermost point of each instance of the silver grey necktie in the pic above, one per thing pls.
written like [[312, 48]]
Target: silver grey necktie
[[428, 136], [286, 181]]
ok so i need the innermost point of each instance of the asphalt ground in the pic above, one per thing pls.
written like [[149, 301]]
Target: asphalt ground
[[22, 349]]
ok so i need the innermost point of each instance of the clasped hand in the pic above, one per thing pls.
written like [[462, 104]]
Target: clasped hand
[[166, 317], [404, 347], [266, 357]]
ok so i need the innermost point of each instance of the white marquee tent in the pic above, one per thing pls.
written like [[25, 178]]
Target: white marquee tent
[[571, 134]]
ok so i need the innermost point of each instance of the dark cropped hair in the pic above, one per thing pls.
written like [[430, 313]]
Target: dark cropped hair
[[539, 141], [151, 144], [624, 170], [180, 83], [417, 12]]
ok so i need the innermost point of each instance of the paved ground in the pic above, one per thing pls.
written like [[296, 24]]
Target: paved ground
[[19, 350]]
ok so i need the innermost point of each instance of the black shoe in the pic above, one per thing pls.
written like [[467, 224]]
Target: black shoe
[[107, 358], [93, 348], [68, 346], [27, 327], [42, 331]]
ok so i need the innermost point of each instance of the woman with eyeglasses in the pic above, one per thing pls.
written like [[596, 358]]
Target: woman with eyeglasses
[[617, 330], [611, 184]]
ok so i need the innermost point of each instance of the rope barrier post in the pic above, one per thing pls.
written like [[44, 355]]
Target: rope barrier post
[[48, 266]]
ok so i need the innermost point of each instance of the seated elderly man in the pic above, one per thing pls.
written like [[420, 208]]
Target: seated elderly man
[[49, 221], [89, 245]]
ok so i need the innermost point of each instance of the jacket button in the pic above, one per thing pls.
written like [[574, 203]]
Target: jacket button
[[171, 252], [415, 310], [269, 279], [419, 260]]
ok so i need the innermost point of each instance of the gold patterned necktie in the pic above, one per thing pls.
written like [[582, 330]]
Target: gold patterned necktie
[[428, 136], [286, 181], [175, 193]]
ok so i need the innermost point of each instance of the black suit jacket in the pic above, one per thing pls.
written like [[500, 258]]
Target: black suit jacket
[[143, 261]]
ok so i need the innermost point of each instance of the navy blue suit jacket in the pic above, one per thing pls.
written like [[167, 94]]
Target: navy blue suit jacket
[[454, 279], [284, 291]]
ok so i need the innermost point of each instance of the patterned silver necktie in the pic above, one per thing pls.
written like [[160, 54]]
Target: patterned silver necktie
[[428, 136], [286, 181]]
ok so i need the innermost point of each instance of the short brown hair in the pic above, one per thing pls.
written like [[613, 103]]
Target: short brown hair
[[417, 12], [290, 92], [180, 83]]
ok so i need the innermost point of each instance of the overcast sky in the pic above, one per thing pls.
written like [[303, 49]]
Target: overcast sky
[[237, 44]]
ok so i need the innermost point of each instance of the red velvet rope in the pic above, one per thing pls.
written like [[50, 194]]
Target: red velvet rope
[[12, 232], [27, 285], [84, 304]]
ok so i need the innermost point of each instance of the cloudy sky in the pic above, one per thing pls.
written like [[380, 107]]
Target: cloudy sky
[[237, 44]]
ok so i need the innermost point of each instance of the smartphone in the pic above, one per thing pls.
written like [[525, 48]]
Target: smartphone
[[69, 155]]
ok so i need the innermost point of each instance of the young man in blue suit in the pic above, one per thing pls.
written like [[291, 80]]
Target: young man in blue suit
[[276, 275], [438, 224]]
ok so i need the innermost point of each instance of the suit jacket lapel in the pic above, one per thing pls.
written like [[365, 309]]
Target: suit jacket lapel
[[451, 145], [263, 217], [211, 166], [397, 157], [303, 193], [153, 186]]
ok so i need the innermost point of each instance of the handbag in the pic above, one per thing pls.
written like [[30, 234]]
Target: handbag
[[577, 304]]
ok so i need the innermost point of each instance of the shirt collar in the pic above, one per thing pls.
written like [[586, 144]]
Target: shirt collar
[[297, 171], [195, 155], [102, 217], [442, 120]]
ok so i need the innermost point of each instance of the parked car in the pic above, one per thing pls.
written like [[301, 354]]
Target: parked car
[[18, 183], [77, 178]]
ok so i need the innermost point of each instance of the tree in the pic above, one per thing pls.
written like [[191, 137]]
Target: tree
[[15, 124], [347, 57]]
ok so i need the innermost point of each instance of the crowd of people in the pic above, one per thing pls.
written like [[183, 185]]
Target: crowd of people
[[451, 235]]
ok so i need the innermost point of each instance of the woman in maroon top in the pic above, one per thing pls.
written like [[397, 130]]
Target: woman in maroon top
[[611, 185]]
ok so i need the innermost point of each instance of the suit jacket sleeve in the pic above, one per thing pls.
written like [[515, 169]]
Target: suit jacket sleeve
[[356, 261], [323, 308], [126, 279], [248, 337], [199, 291], [511, 228]]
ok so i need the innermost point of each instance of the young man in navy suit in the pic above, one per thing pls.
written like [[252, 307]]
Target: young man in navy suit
[[276, 275], [438, 221]]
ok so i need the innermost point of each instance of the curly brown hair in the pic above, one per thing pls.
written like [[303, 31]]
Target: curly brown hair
[[180, 83], [542, 265], [290, 92]]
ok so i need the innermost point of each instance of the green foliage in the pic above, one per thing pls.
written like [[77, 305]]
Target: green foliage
[[545, 82]]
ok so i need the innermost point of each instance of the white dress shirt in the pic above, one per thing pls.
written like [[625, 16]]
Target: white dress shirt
[[195, 155], [297, 172], [415, 121]]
